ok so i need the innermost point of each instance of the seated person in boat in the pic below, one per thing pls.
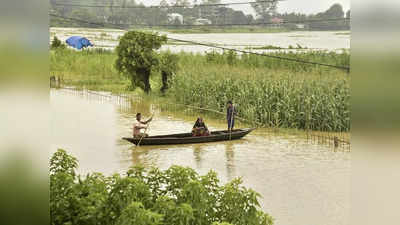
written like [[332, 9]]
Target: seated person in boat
[[139, 125], [199, 128]]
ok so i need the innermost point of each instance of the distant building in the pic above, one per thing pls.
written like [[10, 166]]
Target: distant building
[[300, 26], [172, 17], [201, 21], [276, 22]]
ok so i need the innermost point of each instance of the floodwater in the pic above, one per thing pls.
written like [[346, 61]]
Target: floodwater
[[301, 182], [313, 40]]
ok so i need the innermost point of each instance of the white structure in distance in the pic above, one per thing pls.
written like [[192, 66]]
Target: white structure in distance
[[172, 17]]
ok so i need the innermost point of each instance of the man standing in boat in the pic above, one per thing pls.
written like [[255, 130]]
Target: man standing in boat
[[139, 125], [230, 115]]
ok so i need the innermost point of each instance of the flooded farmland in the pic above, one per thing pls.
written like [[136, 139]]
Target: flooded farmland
[[301, 182], [312, 40]]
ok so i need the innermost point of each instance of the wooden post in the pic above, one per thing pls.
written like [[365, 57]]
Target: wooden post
[[336, 141]]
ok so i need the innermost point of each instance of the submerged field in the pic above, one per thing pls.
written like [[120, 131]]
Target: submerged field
[[272, 92]]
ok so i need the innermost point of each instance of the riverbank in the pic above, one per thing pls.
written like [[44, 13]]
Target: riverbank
[[271, 92], [202, 30], [217, 30]]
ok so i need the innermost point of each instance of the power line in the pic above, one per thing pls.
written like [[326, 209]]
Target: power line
[[172, 6], [218, 47]]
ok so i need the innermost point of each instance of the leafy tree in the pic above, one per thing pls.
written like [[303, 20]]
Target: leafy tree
[[136, 214], [168, 67], [210, 12], [177, 195], [265, 10], [62, 178], [335, 11], [239, 17], [164, 3], [174, 214], [137, 56]]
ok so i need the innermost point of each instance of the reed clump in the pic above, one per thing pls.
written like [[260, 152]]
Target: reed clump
[[269, 91]]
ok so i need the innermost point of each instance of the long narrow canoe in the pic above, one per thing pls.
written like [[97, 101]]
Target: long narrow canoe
[[187, 138]]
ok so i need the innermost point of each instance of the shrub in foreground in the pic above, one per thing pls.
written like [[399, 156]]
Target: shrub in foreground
[[177, 195]]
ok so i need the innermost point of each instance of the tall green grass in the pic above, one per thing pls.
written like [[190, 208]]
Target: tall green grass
[[271, 62], [268, 91], [273, 92], [91, 69]]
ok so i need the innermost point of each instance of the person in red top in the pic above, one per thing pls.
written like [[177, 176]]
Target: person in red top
[[200, 128]]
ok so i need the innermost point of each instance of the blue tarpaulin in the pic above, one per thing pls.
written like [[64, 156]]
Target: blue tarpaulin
[[78, 42]]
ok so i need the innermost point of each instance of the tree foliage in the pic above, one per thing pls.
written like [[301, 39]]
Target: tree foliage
[[168, 67], [265, 9], [335, 11], [137, 56], [177, 195], [132, 14]]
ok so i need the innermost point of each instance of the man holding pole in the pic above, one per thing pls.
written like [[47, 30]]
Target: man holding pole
[[230, 115], [138, 125]]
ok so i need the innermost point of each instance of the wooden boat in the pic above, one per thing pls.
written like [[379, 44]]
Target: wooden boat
[[187, 138]]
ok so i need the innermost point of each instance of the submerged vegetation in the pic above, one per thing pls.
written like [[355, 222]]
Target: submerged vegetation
[[272, 47], [177, 195], [92, 69], [276, 93]]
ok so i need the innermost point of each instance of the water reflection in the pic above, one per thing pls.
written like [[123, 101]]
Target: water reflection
[[230, 160], [197, 155]]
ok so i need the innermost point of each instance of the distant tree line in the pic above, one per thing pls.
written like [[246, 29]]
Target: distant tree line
[[129, 13]]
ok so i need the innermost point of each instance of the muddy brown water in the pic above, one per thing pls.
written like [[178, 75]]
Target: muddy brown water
[[302, 183]]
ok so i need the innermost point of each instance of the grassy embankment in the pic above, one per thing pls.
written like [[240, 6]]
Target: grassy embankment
[[273, 92]]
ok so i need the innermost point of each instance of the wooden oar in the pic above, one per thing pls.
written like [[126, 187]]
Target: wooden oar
[[230, 124]]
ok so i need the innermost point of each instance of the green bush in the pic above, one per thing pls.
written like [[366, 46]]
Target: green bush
[[56, 43], [177, 195]]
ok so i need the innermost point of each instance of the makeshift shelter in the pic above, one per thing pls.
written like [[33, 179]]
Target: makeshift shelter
[[78, 42]]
